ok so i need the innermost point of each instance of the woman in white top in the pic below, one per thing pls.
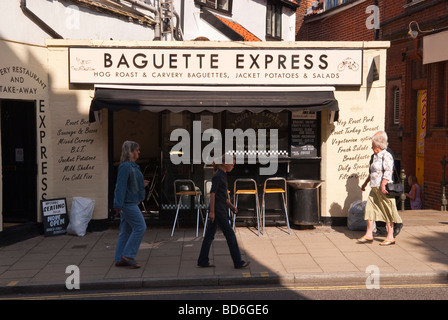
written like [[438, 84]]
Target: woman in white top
[[379, 207]]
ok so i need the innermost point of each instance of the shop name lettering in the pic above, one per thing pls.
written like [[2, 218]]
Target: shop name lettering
[[242, 61], [352, 140], [211, 63], [17, 80]]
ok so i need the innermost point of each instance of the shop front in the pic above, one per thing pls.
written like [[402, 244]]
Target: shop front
[[292, 110]]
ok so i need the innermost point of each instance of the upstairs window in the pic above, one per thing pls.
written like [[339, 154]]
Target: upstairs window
[[273, 21], [329, 4], [220, 5]]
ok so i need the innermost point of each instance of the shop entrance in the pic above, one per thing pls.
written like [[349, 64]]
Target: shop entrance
[[19, 165]]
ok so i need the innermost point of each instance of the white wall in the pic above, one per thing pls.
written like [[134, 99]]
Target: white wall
[[251, 14], [76, 22]]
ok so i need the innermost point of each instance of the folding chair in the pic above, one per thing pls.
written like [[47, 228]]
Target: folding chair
[[180, 194], [152, 192], [251, 190], [272, 186]]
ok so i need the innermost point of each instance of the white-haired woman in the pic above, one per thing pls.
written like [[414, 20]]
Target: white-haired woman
[[129, 192], [379, 206]]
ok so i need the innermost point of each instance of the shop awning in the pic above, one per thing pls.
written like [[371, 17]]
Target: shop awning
[[222, 99]]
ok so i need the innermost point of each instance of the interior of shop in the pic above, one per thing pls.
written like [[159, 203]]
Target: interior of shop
[[297, 150]]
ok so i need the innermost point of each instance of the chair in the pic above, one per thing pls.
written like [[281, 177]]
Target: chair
[[152, 192], [250, 188], [191, 190], [275, 185]]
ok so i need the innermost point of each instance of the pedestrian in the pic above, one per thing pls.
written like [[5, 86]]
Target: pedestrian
[[218, 217], [379, 206], [414, 194], [129, 192], [381, 225]]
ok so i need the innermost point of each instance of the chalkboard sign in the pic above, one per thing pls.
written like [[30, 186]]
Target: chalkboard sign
[[55, 218], [304, 134]]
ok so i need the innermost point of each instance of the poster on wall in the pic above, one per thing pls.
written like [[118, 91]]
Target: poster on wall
[[304, 134], [55, 218]]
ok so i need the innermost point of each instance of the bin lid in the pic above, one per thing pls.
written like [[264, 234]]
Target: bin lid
[[305, 184]]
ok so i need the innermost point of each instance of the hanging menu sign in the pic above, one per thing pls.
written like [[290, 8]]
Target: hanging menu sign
[[304, 134], [55, 219]]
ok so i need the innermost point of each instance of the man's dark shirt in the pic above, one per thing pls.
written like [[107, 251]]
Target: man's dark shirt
[[219, 188]]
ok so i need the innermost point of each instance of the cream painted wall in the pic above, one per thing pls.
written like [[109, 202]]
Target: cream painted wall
[[346, 147], [80, 148]]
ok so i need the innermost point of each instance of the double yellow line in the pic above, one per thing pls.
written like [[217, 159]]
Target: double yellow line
[[150, 292]]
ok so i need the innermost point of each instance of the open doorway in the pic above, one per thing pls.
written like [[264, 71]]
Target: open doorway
[[19, 164]]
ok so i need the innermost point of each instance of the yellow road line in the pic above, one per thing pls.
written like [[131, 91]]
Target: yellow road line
[[149, 292]]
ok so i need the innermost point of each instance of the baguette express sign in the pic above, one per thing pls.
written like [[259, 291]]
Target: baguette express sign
[[194, 66]]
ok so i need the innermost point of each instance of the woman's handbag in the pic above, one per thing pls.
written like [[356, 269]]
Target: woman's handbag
[[394, 189]]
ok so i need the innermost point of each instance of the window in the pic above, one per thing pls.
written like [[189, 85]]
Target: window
[[329, 4], [221, 5], [274, 20], [396, 105]]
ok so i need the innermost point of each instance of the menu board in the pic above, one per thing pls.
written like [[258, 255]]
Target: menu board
[[304, 134], [54, 213]]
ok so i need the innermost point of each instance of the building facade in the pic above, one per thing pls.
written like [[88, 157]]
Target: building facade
[[416, 94], [68, 105]]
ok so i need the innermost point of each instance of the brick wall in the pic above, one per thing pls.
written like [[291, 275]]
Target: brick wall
[[404, 70]]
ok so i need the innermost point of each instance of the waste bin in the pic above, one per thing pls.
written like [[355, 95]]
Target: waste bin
[[304, 201]]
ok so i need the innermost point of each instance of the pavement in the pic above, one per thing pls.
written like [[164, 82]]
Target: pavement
[[325, 254]]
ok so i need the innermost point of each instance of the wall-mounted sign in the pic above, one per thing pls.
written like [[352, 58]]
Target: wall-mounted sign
[[193, 66], [54, 214], [304, 134]]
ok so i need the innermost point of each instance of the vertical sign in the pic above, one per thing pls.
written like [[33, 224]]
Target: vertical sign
[[421, 133]]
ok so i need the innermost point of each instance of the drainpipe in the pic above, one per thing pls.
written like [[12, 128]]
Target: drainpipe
[[178, 31], [39, 21], [157, 28], [376, 34]]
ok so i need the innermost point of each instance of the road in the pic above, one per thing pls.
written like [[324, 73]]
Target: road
[[417, 291]]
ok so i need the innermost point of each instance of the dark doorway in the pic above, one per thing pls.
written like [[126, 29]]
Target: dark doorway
[[19, 165]]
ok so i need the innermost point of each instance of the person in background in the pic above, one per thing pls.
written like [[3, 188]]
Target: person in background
[[379, 207], [129, 192], [218, 216], [415, 193]]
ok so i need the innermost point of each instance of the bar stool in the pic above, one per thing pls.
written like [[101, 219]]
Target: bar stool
[[246, 191], [272, 186], [191, 191]]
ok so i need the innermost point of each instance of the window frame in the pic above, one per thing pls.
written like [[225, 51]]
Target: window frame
[[274, 11], [215, 5]]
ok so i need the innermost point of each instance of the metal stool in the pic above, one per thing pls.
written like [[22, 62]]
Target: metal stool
[[277, 188], [246, 191], [192, 191]]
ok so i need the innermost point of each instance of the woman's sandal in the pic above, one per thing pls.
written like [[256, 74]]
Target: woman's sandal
[[364, 240], [128, 262], [387, 243]]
